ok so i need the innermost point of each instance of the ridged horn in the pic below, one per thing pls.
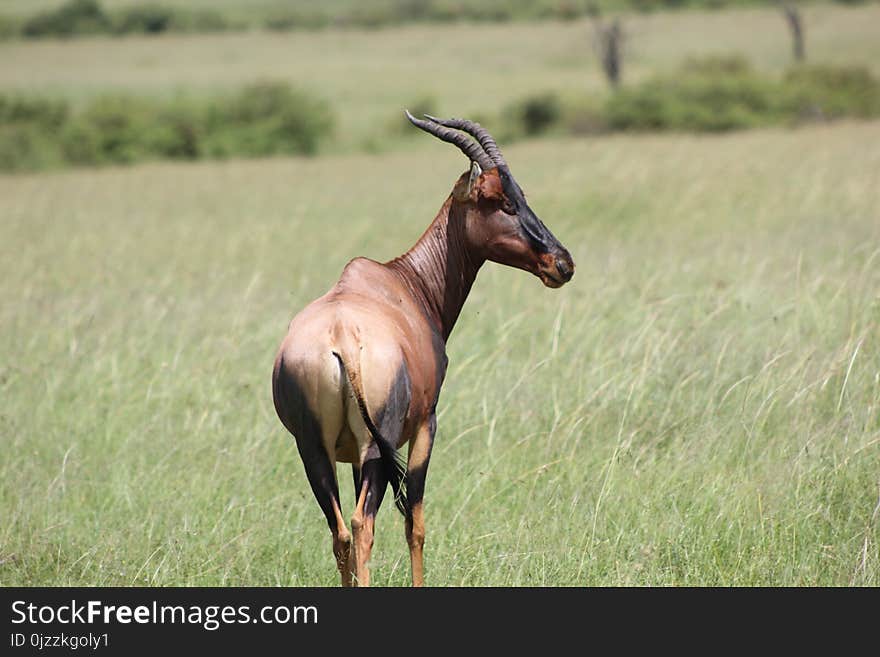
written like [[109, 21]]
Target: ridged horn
[[473, 149], [479, 133]]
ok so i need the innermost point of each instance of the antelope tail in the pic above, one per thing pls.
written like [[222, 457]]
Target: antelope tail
[[393, 461]]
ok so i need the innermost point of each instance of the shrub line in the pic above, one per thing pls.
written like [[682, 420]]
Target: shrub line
[[266, 118]]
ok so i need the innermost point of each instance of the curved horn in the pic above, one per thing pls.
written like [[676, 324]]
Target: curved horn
[[479, 132], [467, 145]]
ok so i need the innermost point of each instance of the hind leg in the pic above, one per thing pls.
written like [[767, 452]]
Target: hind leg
[[342, 549], [376, 445], [372, 483], [416, 471], [316, 424], [322, 478]]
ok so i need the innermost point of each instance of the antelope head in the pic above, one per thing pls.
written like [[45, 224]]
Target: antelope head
[[497, 222]]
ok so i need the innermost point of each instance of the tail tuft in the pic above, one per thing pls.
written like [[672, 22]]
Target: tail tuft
[[392, 459], [395, 468]]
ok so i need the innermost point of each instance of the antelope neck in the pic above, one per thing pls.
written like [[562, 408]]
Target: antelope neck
[[440, 269]]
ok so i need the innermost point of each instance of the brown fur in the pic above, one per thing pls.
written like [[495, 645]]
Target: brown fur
[[380, 320]]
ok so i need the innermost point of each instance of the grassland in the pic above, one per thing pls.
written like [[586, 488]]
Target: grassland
[[368, 76], [701, 405]]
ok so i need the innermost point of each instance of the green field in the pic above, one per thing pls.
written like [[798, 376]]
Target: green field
[[699, 406]]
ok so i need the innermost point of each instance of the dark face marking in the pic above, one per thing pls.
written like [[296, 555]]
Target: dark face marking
[[538, 250], [532, 228]]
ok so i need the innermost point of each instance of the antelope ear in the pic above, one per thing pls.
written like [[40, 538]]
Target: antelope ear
[[476, 172]]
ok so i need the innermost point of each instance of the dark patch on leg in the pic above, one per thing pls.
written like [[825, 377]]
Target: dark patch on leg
[[297, 417], [415, 476], [415, 485], [375, 479], [356, 477], [389, 427], [392, 415], [420, 457], [373, 485]]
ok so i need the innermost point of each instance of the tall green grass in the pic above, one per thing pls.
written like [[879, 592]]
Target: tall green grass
[[699, 406]]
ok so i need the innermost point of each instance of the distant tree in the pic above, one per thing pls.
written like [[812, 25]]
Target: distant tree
[[796, 27], [608, 43]]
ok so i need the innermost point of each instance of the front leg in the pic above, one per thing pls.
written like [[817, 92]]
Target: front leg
[[416, 471]]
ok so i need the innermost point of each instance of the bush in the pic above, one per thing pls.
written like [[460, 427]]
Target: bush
[[27, 132], [368, 16], [831, 92], [146, 19], [500, 13], [283, 21], [81, 144], [569, 11], [202, 20], [125, 129], [87, 17], [73, 17], [264, 119], [723, 93], [533, 115], [413, 10], [443, 12], [715, 94], [26, 147], [117, 129], [694, 103], [267, 118], [180, 133], [47, 114], [648, 6]]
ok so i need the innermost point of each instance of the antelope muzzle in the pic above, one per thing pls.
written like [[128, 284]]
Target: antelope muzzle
[[556, 268]]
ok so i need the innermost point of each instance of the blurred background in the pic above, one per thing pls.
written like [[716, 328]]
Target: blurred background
[[89, 82], [701, 405]]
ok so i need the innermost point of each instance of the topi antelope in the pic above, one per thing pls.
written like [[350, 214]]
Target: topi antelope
[[360, 370]]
